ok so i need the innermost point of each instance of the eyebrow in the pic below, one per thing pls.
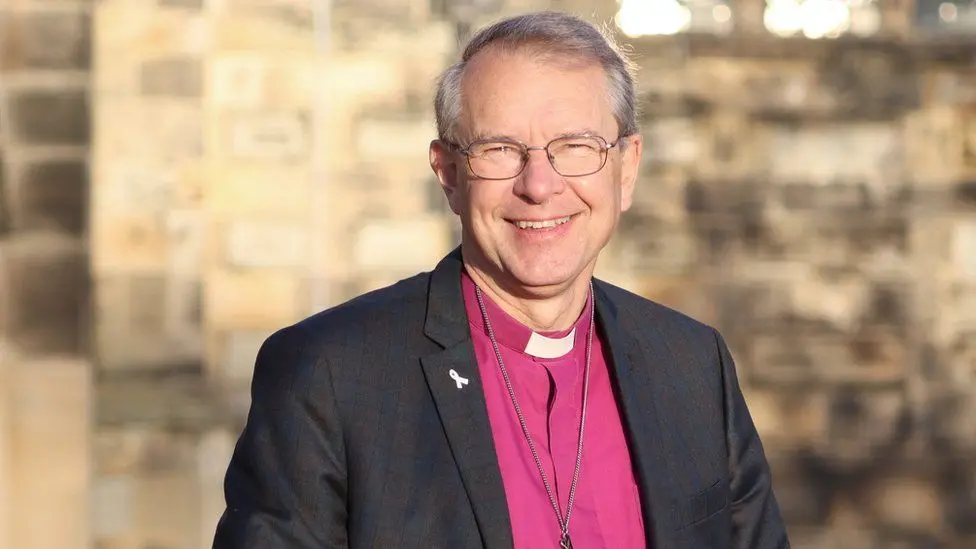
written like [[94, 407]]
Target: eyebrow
[[484, 136]]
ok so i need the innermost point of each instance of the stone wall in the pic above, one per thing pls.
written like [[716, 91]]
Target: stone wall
[[45, 374], [814, 200], [254, 161]]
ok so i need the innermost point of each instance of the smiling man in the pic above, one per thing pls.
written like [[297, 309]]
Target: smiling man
[[507, 398]]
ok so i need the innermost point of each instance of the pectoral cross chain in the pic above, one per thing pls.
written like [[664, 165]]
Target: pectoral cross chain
[[564, 542]]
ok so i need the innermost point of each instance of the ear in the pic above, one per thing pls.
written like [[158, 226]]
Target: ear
[[445, 165], [630, 169]]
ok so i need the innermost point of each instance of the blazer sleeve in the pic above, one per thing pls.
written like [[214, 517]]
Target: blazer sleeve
[[286, 484], [756, 519]]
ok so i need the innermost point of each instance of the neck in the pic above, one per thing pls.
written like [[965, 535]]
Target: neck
[[549, 311]]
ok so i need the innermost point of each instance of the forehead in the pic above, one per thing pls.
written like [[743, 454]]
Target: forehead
[[521, 94]]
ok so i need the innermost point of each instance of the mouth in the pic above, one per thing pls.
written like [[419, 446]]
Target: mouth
[[541, 224]]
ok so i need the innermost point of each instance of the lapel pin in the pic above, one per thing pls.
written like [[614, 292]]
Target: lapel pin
[[461, 381]]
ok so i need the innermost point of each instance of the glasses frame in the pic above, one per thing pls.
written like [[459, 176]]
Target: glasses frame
[[604, 153]]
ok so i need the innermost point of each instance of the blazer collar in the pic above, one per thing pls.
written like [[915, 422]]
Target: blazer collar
[[447, 321], [462, 408]]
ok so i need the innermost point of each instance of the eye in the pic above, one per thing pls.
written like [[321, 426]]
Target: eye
[[499, 149]]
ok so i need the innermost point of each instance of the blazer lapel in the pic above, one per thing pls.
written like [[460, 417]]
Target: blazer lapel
[[641, 403], [452, 375]]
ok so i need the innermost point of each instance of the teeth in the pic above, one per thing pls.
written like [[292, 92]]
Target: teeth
[[542, 224]]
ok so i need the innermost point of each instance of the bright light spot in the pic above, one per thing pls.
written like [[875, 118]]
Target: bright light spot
[[825, 18], [865, 20], [652, 17], [721, 13], [814, 18], [783, 17], [948, 12]]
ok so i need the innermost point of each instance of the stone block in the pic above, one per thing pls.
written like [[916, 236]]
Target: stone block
[[215, 450], [112, 506], [239, 353], [828, 154], [51, 414], [187, 231], [266, 80], [53, 195], [759, 87], [5, 191], [144, 525], [266, 136], [177, 76], [863, 427], [55, 39], [129, 243], [934, 145], [139, 135], [132, 450], [184, 4], [46, 284], [397, 140], [942, 86], [129, 25], [252, 30], [133, 188], [965, 194], [401, 245], [131, 42], [49, 117], [729, 146], [147, 322], [964, 246], [253, 190], [656, 249], [298, 14], [789, 358], [672, 141], [140, 469], [252, 299], [435, 40], [267, 243], [872, 80], [685, 292], [363, 79]]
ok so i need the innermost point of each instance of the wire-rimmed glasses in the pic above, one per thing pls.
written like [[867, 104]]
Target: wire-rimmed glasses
[[570, 156]]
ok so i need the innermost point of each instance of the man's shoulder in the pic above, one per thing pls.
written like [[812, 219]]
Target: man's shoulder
[[637, 313], [369, 313]]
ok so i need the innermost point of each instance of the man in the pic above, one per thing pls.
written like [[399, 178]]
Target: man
[[507, 399]]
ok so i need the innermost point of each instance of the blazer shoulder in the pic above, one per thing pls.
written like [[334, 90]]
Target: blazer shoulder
[[369, 312], [637, 313]]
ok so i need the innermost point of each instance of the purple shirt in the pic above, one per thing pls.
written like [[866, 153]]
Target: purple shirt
[[606, 513]]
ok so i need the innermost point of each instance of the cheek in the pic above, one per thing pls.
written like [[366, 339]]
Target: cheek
[[597, 194], [485, 200]]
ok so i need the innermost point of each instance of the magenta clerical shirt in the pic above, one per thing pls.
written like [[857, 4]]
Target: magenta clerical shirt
[[606, 513]]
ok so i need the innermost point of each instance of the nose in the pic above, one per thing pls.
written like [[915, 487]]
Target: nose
[[539, 181]]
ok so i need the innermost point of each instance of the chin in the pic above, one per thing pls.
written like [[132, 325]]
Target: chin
[[538, 277]]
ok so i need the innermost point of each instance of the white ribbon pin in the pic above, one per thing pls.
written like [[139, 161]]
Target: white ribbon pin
[[461, 381]]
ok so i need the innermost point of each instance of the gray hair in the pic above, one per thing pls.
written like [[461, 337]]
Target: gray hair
[[552, 36]]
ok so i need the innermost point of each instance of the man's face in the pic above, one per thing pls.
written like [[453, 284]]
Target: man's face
[[516, 97]]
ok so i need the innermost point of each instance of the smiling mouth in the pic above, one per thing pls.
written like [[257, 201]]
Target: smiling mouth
[[546, 224]]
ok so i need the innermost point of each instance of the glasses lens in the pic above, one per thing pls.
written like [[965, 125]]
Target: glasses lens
[[495, 160], [575, 156]]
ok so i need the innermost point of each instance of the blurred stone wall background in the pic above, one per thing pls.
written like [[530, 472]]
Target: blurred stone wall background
[[179, 178]]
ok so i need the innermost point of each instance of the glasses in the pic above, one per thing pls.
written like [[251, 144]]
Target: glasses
[[570, 156]]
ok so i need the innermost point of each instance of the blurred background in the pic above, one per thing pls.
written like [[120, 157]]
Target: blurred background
[[179, 178]]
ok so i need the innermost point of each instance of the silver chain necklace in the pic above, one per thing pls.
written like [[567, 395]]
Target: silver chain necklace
[[564, 541]]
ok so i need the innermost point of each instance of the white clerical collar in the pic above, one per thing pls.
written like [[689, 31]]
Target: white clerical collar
[[541, 346]]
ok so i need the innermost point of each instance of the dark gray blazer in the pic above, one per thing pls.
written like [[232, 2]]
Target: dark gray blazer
[[358, 437]]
